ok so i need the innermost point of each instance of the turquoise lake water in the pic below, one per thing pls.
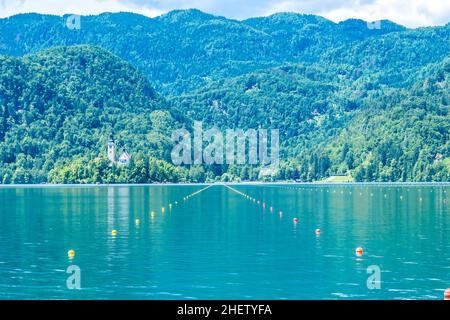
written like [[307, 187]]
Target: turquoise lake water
[[222, 244]]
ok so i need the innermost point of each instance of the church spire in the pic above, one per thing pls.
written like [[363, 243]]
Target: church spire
[[112, 148]]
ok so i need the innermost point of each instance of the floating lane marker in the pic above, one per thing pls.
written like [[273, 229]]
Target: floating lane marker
[[447, 294], [295, 220], [71, 254], [359, 251], [248, 197], [195, 193]]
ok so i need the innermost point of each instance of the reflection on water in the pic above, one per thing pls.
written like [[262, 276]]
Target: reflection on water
[[222, 244]]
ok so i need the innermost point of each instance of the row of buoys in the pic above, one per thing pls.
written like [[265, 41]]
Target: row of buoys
[[137, 222], [358, 251], [163, 209], [295, 219], [196, 192], [350, 192], [71, 252]]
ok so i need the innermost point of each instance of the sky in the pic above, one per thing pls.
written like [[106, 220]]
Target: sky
[[410, 13]]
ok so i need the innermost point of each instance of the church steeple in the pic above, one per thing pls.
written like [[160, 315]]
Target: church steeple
[[112, 148]]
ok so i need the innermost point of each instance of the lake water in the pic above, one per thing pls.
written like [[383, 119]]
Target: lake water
[[222, 244]]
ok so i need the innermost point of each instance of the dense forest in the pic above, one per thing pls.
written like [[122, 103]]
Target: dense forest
[[368, 103]]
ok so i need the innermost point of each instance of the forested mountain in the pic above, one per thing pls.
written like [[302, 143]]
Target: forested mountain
[[185, 49], [370, 101], [59, 108]]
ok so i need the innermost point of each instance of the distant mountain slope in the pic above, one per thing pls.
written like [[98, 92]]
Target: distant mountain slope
[[335, 124], [371, 101], [63, 103], [184, 49]]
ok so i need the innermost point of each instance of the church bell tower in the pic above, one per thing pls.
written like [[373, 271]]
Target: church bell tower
[[112, 148]]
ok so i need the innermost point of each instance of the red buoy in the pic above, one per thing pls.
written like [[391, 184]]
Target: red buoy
[[359, 251], [317, 231], [447, 294], [295, 220]]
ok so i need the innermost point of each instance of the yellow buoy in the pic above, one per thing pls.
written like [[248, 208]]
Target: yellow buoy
[[71, 253], [163, 209], [137, 221], [114, 232]]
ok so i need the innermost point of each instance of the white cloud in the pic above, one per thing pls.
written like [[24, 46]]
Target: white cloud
[[411, 13], [61, 7], [406, 12]]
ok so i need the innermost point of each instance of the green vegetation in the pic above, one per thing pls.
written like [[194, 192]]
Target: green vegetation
[[58, 108], [371, 104]]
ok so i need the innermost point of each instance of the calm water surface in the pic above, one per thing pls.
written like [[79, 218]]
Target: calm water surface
[[218, 244]]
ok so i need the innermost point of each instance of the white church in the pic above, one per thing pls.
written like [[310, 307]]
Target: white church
[[124, 158]]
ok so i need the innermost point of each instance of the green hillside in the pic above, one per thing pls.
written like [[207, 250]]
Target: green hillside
[[58, 108], [370, 103]]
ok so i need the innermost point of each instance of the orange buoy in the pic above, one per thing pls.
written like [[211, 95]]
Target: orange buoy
[[295, 220], [359, 251], [447, 294], [317, 231]]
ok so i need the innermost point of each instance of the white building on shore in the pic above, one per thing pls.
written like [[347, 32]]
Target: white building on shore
[[123, 160]]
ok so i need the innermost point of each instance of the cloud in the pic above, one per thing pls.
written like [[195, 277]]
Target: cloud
[[412, 13], [82, 7]]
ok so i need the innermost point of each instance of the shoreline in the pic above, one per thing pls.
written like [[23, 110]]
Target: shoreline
[[318, 183]]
